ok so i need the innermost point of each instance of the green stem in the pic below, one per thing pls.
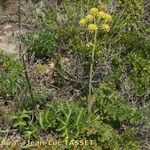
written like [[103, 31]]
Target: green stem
[[90, 100], [88, 3]]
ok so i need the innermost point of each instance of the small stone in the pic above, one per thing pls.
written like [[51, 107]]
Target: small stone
[[7, 27]]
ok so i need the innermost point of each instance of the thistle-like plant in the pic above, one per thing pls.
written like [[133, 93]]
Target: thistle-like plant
[[24, 122], [66, 117], [95, 20], [47, 117], [19, 119]]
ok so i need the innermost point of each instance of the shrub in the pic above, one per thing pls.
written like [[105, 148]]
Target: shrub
[[40, 43], [140, 74], [24, 121], [11, 74], [110, 105]]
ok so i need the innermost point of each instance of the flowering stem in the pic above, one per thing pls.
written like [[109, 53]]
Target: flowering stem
[[90, 99]]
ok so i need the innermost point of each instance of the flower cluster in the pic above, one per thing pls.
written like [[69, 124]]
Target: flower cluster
[[92, 27], [96, 19]]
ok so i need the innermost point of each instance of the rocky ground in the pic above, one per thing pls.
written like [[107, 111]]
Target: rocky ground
[[9, 24], [8, 28]]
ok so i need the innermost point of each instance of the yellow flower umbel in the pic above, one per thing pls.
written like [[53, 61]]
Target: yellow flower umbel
[[108, 17], [101, 14], [83, 22], [89, 17], [105, 27], [92, 27], [94, 11]]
